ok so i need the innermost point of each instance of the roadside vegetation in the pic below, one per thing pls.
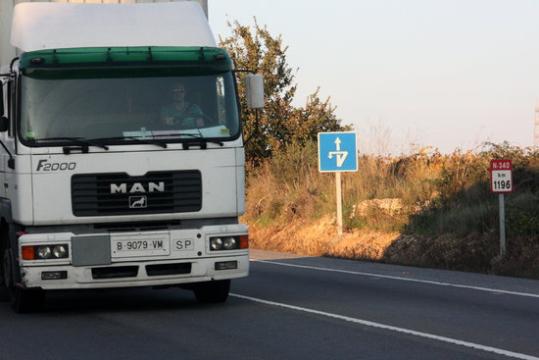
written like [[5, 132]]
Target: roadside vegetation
[[424, 208]]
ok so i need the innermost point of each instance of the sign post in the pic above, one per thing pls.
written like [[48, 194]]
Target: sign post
[[338, 192], [503, 241], [501, 182], [337, 152]]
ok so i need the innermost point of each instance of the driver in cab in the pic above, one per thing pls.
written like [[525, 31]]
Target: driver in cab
[[181, 114]]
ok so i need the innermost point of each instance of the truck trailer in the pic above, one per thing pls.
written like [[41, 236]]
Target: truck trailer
[[121, 151]]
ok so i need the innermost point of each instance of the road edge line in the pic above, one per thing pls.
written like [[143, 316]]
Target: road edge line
[[401, 278], [373, 324]]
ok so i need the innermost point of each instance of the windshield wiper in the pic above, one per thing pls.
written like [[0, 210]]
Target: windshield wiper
[[135, 139], [79, 143], [194, 139]]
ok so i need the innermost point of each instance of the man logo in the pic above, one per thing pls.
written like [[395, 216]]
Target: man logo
[[138, 202], [137, 188]]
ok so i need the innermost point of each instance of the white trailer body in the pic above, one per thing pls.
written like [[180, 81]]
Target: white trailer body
[[105, 182]]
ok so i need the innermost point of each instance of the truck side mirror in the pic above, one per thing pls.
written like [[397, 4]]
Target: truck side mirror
[[254, 88], [4, 123]]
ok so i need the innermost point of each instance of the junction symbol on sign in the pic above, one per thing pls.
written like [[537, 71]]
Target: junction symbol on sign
[[341, 155]]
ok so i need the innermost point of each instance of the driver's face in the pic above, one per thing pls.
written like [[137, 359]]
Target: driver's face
[[178, 92]]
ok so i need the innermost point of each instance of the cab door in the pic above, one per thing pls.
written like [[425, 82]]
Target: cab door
[[7, 138]]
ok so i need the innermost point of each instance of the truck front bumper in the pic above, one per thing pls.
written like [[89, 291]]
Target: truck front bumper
[[94, 262]]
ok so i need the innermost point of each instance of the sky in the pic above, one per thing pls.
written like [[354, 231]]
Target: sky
[[407, 74]]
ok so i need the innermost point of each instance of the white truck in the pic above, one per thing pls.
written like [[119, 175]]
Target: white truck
[[121, 154]]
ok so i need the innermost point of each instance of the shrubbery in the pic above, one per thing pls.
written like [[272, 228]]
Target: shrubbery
[[441, 205]]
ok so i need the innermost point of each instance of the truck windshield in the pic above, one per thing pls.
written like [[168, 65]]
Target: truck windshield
[[122, 109]]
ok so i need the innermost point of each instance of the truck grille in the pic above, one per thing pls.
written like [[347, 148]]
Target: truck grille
[[120, 194]]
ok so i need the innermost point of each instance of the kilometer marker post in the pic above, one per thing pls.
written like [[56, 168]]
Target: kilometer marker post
[[501, 182], [503, 240]]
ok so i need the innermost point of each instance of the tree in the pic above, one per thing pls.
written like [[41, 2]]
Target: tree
[[280, 124]]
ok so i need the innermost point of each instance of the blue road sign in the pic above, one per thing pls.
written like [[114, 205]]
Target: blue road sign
[[337, 152]]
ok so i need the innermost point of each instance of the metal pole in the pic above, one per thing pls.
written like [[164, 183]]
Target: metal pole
[[339, 202], [503, 247]]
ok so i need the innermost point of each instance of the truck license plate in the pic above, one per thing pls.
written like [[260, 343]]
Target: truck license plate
[[157, 246]]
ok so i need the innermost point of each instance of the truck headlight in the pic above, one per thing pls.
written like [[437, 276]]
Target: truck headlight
[[216, 243], [43, 252], [230, 243], [59, 251]]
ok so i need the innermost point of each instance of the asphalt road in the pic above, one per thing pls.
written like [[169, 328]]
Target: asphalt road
[[291, 308]]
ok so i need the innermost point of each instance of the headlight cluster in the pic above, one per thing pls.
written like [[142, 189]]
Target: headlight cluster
[[45, 252], [229, 243]]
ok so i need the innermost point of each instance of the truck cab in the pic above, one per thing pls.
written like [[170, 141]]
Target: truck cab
[[121, 155]]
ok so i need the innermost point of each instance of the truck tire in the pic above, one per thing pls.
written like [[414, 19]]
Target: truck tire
[[212, 292], [27, 300], [4, 294], [4, 290], [22, 300]]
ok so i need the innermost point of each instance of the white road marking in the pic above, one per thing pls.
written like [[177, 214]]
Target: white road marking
[[400, 278], [444, 339]]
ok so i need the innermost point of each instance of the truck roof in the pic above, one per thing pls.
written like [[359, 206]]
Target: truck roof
[[42, 26]]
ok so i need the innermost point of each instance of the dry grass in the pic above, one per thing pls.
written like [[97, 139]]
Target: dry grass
[[319, 238], [424, 209]]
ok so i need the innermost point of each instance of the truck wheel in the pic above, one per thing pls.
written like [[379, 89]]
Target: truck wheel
[[22, 300], [26, 300], [4, 296], [4, 283], [212, 292]]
